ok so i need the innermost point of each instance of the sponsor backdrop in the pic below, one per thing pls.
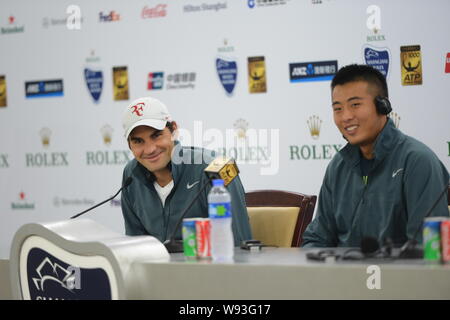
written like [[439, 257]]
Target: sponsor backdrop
[[250, 79]]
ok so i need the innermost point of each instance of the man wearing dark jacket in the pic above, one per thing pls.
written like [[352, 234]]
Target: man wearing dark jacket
[[166, 176], [383, 182]]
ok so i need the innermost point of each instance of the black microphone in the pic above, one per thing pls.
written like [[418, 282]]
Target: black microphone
[[127, 182], [409, 249], [220, 168], [369, 246]]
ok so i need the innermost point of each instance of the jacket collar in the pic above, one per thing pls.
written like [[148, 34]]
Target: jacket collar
[[388, 138]]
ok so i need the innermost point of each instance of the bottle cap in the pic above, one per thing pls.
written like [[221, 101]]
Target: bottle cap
[[217, 183]]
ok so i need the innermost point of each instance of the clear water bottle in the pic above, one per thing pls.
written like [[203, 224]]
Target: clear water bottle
[[222, 240]]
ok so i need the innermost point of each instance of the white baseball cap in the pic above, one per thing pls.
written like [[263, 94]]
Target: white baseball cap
[[145, 111]]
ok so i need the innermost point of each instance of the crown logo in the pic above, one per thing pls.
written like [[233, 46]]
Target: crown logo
[[45, 134], [396, 118], [314, 124], [106, 132], [241, 126]]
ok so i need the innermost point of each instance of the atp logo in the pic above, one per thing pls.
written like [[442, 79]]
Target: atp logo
[[138, 109]]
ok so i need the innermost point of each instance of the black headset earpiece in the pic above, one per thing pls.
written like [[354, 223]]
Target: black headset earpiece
[[383, 105]]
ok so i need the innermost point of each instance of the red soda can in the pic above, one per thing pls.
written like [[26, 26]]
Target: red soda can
[[203, 231], [445, 238]]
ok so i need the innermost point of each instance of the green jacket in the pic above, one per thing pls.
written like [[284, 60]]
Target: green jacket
[[405, 180], [144, 213]]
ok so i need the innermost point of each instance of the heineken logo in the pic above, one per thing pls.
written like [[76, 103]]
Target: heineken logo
[[12, 27], [22, 203]]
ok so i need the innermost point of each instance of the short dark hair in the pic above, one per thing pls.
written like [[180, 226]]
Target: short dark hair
[[361, 72], [169, 125]]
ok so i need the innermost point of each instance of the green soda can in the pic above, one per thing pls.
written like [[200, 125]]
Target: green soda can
[[432, 239], [189, 238]]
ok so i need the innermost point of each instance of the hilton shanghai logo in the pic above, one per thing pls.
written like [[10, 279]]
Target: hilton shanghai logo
[[44, 88], [193, 8], [377, 58], [312, 71]]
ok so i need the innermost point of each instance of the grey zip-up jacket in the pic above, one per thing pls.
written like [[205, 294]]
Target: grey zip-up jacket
[[144, 213], [405, 180]]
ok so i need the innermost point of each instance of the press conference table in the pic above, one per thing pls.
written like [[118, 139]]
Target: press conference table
[[281, 273], [285, 273]]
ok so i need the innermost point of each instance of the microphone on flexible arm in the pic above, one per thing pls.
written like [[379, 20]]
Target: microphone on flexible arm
[[127, 182], [220, 168], [409, 249], [370, 246]]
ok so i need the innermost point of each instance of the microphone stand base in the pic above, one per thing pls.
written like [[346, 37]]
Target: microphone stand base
[[174, 246]]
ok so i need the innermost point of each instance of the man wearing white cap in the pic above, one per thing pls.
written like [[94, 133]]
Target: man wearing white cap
[[166, 176]]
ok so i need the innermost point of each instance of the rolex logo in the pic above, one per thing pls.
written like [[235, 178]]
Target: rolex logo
[[106, 132], [314, 124], [241, 126], [396, 118], [45, 134]]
